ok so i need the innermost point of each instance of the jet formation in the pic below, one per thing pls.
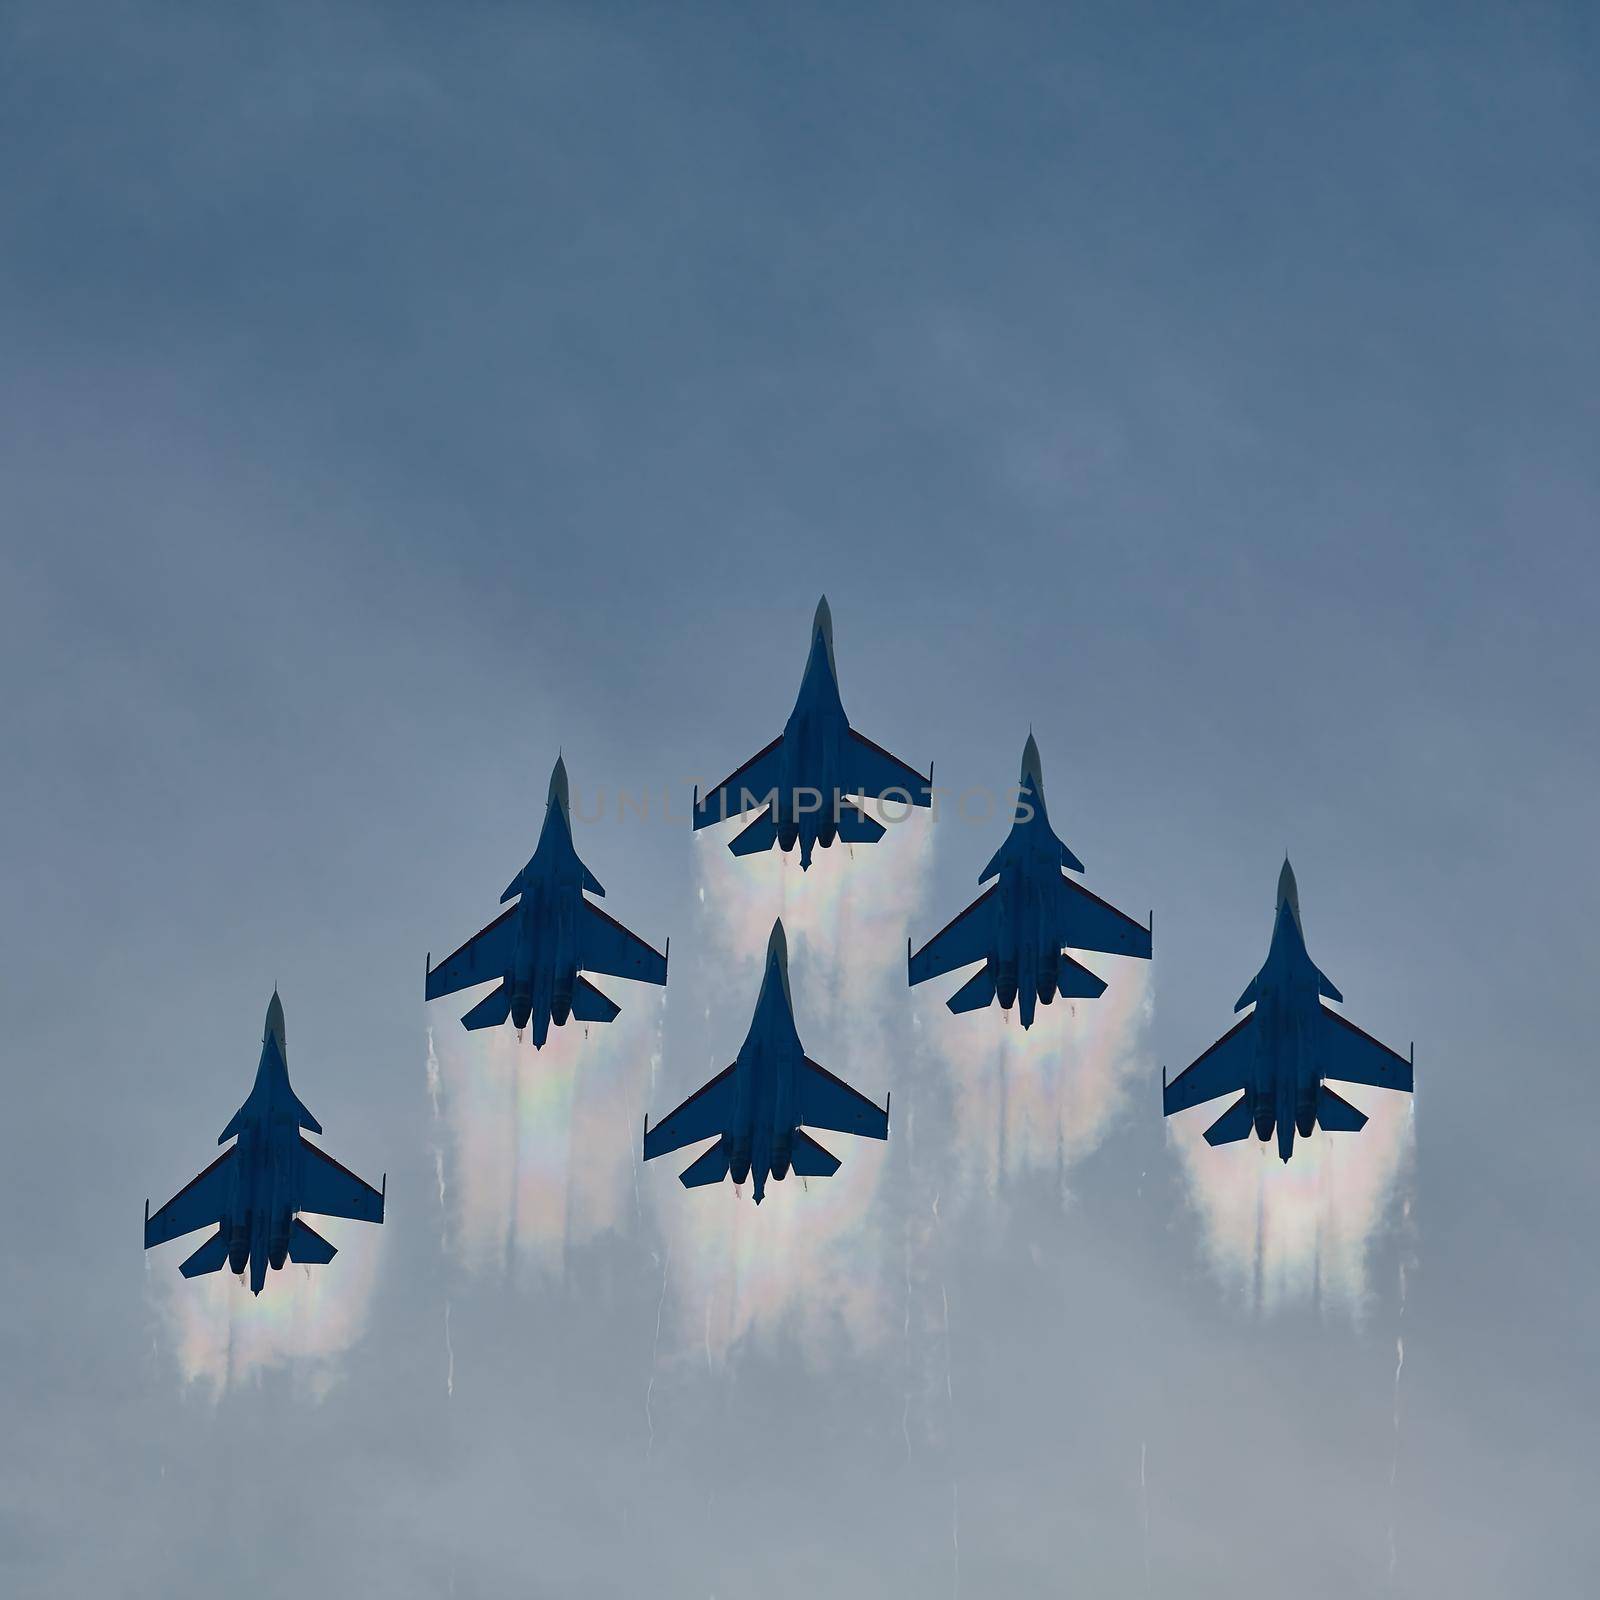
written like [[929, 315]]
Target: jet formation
[[254, 1192], [808, 789], [1278, 1058]]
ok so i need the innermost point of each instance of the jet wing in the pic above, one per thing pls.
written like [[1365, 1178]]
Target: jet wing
[[967, 938], [1223, 1069], [830, 1102], [1086, 922], [604, 945], [1347, 1054], [331, 1190], [869, 769], [201, 1203], [742, 789], [487, 954], [704, 1115]]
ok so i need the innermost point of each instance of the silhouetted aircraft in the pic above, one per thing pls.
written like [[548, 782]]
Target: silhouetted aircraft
[[1019, 927], [539, 948], [759, 1108], [254, 1192], [805, 778], [1282, 1051]]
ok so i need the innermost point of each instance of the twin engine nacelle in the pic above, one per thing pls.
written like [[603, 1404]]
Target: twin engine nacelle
[[561, 1005], [1005, 984], [739, 1162], [239, 1246], [779, 1165], [1305, 1115], [278, 1251], [521, 1008]]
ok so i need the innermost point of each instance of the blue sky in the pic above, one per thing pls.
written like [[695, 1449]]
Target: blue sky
[[393, 396]]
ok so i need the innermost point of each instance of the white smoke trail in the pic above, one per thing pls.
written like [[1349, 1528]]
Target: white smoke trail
[[1281, 1234], [1144, 1514], [557, 1172], [905, 1414], [449, 1357], [955, 1538], [303, 1321], [655, 1357], [1053, 1090], [1407, 1258], [811, 1260]]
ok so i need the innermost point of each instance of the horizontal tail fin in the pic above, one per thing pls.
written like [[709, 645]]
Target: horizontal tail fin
[[712, 1167], [760, 835], [856, 827], [308, 1247], [976, 993], [1337, 1115], [1233, 1124], [490, 1011], [1074, 981], [590, 1005], [808, 1159], [208, 1258]]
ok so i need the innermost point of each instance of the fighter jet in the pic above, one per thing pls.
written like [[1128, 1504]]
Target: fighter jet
[[758, 1108], [1280, 1054], [805, 777], [254, 1192], [538, 947], [1018, 927]]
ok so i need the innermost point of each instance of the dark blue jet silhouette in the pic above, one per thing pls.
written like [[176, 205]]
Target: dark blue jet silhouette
[[1280, 1054], [253, 1193], [757, 1109], [806, 776], [1018, 927], [537, 948]]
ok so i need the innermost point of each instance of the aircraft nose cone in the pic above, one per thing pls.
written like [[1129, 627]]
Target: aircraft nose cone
[[1289, 890], [822, 624], [558, 783], [1032, 772], [275, 1023], [778, 944]]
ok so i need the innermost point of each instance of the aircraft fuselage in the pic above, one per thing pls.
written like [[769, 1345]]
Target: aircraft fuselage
[[1283, 1093], [544, 963], [765, 1105]]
